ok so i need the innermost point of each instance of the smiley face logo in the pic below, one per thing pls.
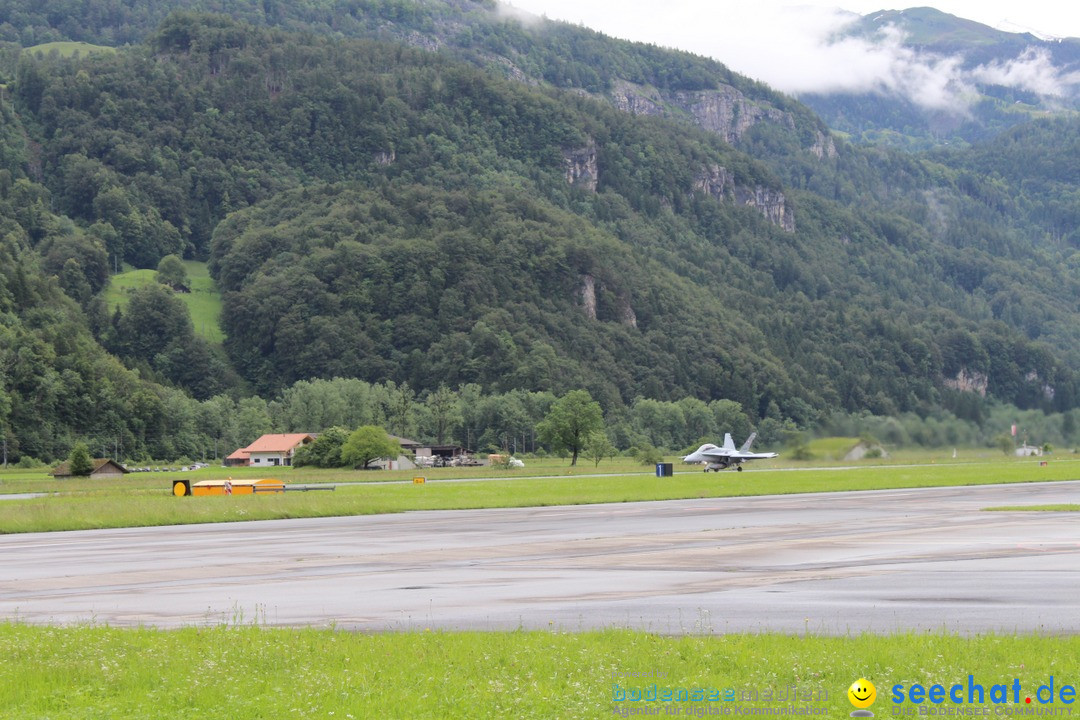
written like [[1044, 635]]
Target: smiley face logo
[[862, 694]]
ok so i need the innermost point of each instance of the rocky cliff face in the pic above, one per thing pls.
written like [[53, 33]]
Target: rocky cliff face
[[581, 167], [729, 114], [724, 111], [719, 183], [770, 203], [636, 99], [714, 181], [587, 291], [627, 316], [969, 381], [1047, 389], [588, 296], [824, 146]]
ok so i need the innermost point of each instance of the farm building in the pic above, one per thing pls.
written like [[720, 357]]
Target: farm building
[[274, 449], [103, 468], [238, 458]]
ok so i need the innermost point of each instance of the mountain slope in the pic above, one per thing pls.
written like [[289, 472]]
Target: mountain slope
[[376, 210]]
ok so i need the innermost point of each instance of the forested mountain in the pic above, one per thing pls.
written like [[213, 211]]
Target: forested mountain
[[56, 381], [529, 209]]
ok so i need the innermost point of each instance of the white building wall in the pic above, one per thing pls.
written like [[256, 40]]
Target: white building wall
[[267, 459]]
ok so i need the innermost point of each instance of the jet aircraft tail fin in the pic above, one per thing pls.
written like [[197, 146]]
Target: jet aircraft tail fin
[[729, 444], [748, 443]]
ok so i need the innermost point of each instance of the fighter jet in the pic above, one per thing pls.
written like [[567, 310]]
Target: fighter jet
[[721, 458]]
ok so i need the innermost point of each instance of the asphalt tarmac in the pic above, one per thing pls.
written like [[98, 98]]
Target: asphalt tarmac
[[835, 563]]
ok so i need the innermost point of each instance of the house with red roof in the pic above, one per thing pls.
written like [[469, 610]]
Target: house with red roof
[[274, 449]]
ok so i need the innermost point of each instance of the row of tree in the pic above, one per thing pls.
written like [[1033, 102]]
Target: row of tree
[[520, 422], [575, 426], [574, 422]]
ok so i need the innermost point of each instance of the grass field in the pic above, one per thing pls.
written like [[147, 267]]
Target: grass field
[[244, 671], [39, 480], [142, 499], [203, 302], [68, 49]]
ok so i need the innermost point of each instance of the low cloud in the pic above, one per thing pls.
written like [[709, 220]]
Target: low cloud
[[509, 11], [809, 52], [805, 49], [1033, 70], [883, 65]]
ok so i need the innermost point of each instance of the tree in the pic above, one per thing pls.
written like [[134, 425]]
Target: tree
[[598, 447], [5, 410], [171, 272], [325, 452], [312, 404], [445, 411], [648, 455], [79, 461], [1068, 425], [216, 419], [78, 261], [154, 318], [73, 281], [401, 402], [368, 443], [572, 419], [252, 419], [728, 416]]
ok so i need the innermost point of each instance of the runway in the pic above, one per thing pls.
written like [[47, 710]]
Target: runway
[[835, 563]]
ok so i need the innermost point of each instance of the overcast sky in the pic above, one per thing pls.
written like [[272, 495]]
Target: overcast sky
[[787, 44]]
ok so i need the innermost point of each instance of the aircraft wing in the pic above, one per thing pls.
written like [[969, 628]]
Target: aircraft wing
[[717, 454], [757, 456]]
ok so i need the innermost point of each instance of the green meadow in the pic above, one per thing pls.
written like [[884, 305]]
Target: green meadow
[[241, 671], [143, 499], [203, 302]]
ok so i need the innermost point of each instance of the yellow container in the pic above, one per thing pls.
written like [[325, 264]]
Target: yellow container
[[237, 487]]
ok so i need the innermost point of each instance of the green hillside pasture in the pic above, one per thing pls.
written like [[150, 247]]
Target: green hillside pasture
[[119, 504], [68, 49], [236, 672], [203, 302]]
